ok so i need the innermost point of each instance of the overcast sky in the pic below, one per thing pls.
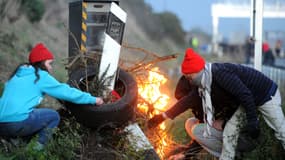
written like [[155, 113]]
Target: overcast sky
[[195, 13]]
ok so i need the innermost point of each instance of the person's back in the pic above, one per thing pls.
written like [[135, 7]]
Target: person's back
[[249, 50], [20, 95], [268, 57], [253, 79], [278, 47]]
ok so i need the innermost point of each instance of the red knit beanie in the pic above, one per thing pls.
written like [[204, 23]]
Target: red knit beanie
[[40, 53], [192, 63]]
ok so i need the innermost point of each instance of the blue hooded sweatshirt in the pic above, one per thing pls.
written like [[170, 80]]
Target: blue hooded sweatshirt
[[21, 94]]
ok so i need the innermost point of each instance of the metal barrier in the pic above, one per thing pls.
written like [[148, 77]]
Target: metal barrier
[[276, 74]]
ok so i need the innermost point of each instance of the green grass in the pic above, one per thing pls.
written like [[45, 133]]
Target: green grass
[[270, 148], [72, 141], [177, 129], [65, 144]]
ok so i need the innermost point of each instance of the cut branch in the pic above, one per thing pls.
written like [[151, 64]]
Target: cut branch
[[140, 49], [150, 63]]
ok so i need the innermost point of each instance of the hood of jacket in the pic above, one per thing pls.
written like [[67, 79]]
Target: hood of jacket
[[25, 70]]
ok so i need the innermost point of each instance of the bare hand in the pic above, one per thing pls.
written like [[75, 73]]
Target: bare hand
[[179, 156], [217, 124], [99, 101]]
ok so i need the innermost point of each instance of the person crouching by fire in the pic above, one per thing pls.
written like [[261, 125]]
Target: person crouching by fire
[[248, 88], [24, 91]]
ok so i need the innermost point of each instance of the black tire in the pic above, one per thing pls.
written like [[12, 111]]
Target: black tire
[[118, 112]]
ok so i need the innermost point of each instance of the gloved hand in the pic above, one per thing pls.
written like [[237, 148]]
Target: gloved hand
[[245, 143], [155, 121], [252, 129]]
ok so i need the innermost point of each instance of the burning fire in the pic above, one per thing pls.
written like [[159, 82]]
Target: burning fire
[[154, 102], [149, 90]]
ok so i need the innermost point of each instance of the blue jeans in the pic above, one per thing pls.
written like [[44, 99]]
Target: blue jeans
[[40, 121]]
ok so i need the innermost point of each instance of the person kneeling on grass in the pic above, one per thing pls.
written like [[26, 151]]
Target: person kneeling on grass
[[248, 90], [188, 98], [24, 91]]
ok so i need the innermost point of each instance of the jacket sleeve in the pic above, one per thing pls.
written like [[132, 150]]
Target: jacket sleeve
[[183, 88], [50, 86], [190, 101]]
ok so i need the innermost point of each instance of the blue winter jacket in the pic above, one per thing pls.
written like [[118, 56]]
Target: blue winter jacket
[[21, 94]]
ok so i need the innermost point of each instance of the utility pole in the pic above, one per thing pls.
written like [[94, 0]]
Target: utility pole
[[256, 27]]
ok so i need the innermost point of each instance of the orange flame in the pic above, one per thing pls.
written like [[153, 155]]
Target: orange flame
[[149, 90]]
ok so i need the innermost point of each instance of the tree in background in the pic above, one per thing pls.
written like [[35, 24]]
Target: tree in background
[[171, 26], [33, 9]]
